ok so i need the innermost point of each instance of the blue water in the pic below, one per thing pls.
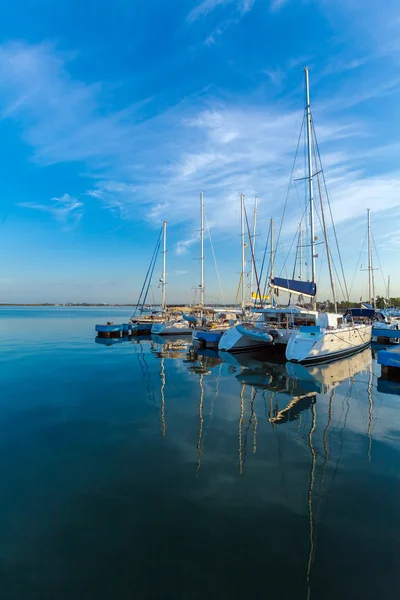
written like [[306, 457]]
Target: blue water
[[141, 469]]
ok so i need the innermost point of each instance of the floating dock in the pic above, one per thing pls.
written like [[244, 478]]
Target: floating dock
[[112, 330], [390, 363], [385, 336]]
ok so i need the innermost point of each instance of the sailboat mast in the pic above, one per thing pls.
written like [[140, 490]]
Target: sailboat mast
[[272, 248], [370, 267], [254, 246], [243, 254], [202, 249], [164, 274], [388, 290], [310, 177], [301, 252]]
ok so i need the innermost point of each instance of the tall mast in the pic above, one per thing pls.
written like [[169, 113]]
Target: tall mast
[[388, 290], [272, 248], [164, 274], [254, 246], [371, 292], [243, 246], [300, 252], [202, 249], [310, 178]]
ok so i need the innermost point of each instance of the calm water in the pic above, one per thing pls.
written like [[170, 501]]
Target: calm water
[[142, 470]]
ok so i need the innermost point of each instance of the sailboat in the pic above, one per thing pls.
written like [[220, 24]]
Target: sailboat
[[209, 332], [169, 325], [332, 336], [144, 323], [271, 326]]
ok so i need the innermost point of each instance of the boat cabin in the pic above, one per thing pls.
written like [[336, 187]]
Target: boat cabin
[[287, 318]]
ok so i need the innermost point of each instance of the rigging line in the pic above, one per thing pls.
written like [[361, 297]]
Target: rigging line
[[291, 245], [290, 183], [334, 265], [263, 261], [151, 275], [294, 267], [252, 256], [380, 266], [215, 259], [330, 212], [155, 252], [324, 229], [358, 262]]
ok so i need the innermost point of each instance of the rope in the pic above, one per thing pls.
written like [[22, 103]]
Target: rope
[[153, 258], [252, 256], [358, 262], [330, 212], [215, 260], [290, 183], [151, 272], [380, 266]]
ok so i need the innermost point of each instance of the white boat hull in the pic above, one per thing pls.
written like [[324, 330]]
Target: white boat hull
[[233, 341], [311, 346], [177, 328]]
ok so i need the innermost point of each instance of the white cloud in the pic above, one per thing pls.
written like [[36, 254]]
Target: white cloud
[[277, 5], [204, 8], [65, 209], [207, 6], [183, 246], [155, 169]]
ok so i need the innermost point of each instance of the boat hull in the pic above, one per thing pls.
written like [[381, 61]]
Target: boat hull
[[212, 336], [308, 346], [255, 333], [171, 329], [234, 341]]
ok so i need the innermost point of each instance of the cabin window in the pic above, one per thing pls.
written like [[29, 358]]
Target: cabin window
[[339, 321]]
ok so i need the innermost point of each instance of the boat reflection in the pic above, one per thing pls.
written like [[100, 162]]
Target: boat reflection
[[327, 376], [168, 346]]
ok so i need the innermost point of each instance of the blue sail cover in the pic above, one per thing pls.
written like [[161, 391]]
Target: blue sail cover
[[360, 312], [306, 288]]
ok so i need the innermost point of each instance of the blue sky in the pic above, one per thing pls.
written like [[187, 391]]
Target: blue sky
[[115, 116]]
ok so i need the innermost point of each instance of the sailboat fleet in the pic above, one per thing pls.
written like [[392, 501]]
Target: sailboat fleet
[[298, 330]]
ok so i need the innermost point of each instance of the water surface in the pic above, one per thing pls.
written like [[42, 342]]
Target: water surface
[[142, 469]]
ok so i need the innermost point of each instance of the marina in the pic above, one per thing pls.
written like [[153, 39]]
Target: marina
[[160, 447], [200, 300]]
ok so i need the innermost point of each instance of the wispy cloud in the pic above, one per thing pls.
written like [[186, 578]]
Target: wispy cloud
[[238, 8], [277, 5], [207, 6], [183, 246], [204, 8], [65, 209], [153, 169], [180, 272]]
